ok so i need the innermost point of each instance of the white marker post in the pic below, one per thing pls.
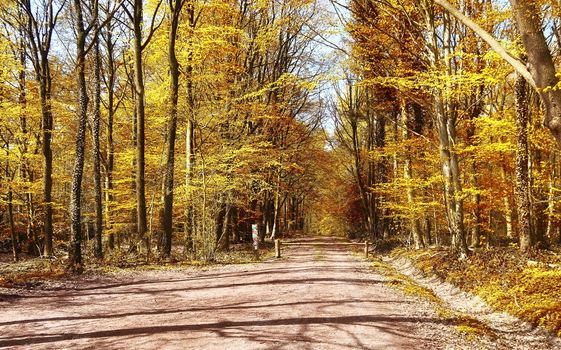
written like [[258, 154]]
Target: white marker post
[[255, 236]]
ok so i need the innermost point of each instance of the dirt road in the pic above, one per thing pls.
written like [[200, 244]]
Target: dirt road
[[313, 298]]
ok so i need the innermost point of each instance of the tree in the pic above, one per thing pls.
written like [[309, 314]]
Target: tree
[[136, 17], [96, 135], [83, 29], [175, 7], [40, 26], [522, 171]]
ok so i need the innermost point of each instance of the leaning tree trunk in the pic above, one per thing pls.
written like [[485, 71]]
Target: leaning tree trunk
[[541, 73], [540, 62]]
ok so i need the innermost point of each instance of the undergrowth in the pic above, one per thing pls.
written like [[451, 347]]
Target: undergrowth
[[502, 278], [32, 272], [463, 322]]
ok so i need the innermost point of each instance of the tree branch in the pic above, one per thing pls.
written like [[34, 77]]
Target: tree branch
[[518, 66]]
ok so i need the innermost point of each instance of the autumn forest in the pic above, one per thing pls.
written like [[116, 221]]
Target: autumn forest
[[164, 131]]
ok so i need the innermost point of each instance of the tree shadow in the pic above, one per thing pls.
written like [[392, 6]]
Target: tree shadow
[[232, 306], [386, 323]]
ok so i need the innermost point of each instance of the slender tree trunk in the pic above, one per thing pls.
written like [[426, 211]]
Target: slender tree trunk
[[25, 167], [551, 197], [222, 226], [47, 125], [507, 206], [75, 254], [476, 229], [190, 131], [381, 175], [408, 177], [96, 148], [475, 104], [140, 117], [235, 224], [175, 8], [110, 148], [190, 163], [522, 171], [13, 235], [10, 203], [276, 206]]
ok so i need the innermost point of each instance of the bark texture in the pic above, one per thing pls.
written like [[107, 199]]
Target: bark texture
[[75, 254], [96, 147], [522, 171]]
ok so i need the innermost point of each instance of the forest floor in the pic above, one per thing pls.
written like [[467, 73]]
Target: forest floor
[[312, 298]]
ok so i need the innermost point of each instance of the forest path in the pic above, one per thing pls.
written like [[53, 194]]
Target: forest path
[[312, 298]]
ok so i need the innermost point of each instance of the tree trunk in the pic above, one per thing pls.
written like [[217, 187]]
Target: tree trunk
[[476, 213], [223, 226], [551, 197], [110, 148], [522, 171], [276, 208], [96, 147], [446, 128], [190, 131], [408, 177], [235, 224], [25, 167], [507, 206], [75, 254], [381, 176], [475, 105], [10, 203], [175, 8], [540, 62], [140, 117], [47, 178]]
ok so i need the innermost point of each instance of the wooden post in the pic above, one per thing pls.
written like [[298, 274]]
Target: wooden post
[[366, 249], [277, 248]]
